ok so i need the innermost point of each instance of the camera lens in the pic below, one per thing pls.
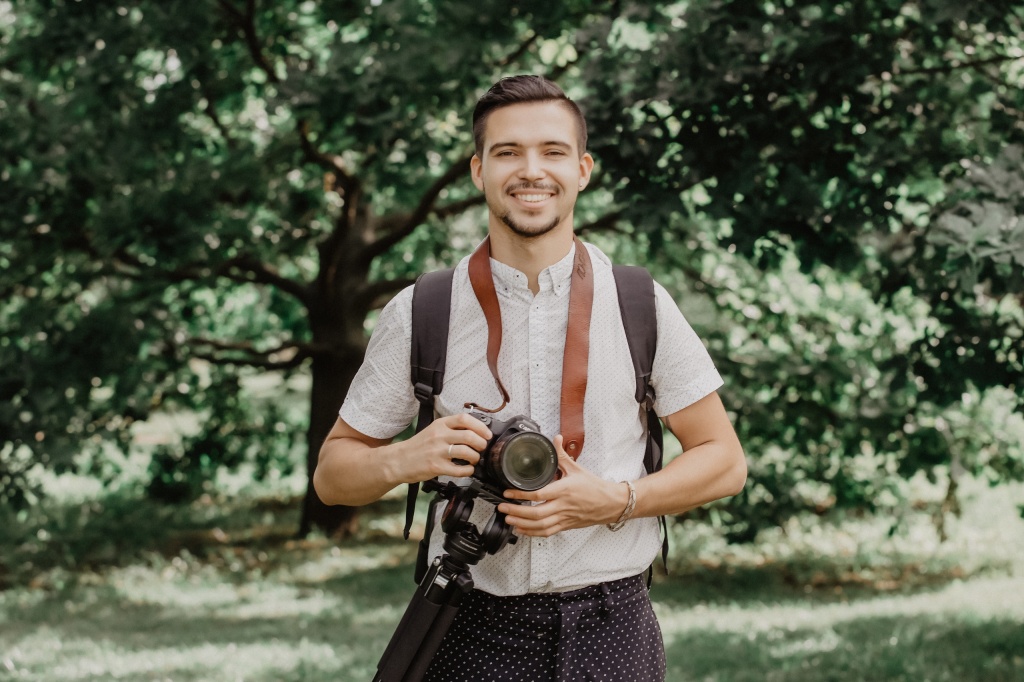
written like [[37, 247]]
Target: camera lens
[[526, 460]]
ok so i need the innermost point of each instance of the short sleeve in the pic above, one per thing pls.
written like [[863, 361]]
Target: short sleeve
[[380, 402], [683, 371]]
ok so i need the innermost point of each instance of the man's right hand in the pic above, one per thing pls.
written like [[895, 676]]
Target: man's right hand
[[355, 469], [450, 446]]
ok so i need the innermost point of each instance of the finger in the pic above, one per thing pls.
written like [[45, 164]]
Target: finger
[[548, 492], [469, 423], [566, 463], [523, 512], [459, 470], [461, 461], [542, 527], [462, 454]]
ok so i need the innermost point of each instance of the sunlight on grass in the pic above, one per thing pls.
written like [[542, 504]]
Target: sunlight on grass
[[233, 596], [979, 600], [220, 597], [87, 659]]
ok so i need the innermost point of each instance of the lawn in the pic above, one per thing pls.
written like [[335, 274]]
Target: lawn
[[230, 595]]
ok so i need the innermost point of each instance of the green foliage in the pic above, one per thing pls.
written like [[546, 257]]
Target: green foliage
[[197, 192], [222, 183], [840, 180]]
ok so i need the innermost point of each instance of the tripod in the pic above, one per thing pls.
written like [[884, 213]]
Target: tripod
[[439, 596]]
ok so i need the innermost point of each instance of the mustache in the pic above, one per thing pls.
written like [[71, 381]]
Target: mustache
[[531, 185]]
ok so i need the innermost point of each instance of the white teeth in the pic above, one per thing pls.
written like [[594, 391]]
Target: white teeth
[[532, 198]]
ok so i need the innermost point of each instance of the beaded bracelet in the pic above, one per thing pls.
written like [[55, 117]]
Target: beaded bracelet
[[628, 511]]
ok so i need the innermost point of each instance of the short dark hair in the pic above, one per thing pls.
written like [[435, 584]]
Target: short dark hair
[[523, 90]]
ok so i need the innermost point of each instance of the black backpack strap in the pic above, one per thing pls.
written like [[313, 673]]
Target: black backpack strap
[[431, 307], [639, 312]]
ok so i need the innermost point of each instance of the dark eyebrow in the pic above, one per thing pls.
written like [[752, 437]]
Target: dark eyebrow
[[516, 145]]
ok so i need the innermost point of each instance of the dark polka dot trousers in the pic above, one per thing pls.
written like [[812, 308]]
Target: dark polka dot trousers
[[602, 633]]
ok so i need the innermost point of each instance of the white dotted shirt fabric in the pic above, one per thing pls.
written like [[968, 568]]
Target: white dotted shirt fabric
[[381, 404]]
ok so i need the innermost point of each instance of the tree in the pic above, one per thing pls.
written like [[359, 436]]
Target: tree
[[193, 189], [865, 152], [225, 182]]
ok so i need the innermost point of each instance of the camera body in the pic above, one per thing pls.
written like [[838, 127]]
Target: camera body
[[517, 456]]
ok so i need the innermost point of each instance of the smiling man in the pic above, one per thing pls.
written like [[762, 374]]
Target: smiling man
[[567, 601], [535, 170]]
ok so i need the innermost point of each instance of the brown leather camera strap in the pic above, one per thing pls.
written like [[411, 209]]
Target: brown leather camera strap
[[577, 338], [483, 286], [577, 351]]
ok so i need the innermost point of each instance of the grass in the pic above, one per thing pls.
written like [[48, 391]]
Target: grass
[[221, 591]]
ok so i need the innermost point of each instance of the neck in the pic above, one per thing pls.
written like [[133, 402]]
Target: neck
[[531, 255]]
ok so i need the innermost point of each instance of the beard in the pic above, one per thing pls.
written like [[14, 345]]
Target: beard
[[528, 232], [521, 230]]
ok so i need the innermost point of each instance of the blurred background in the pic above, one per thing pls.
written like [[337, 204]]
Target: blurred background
[[203, 204]]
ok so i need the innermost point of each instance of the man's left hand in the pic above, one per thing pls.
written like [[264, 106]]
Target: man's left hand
[[576, 500]]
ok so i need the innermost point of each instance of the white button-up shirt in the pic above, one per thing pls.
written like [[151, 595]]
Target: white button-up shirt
[[381, 404]]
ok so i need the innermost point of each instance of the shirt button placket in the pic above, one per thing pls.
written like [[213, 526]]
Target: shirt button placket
[[538, 375]]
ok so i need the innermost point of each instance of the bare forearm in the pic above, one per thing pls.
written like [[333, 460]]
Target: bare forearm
[[579, 499], [711, 467], [353, 473], [355, 469], [698, 476]]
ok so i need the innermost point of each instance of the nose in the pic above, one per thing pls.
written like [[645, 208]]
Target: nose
[[532, 167]]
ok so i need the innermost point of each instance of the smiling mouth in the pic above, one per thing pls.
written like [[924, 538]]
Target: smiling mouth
[[532, 194], [532, 198]]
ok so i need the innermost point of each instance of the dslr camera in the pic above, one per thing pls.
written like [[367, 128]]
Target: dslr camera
[[517, 456]]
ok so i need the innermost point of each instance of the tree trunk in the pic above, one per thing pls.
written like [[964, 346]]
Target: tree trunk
[[336, 322], [337, 316], [332, 375]]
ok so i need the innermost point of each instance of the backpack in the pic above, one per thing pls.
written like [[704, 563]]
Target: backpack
[[431, 308]]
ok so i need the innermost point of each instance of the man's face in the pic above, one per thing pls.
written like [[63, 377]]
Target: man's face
[[530, 169]]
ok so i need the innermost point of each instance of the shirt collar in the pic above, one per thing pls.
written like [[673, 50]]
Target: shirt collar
[[555, 278]]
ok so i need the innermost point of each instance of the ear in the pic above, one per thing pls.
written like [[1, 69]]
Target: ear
[[476, 171], [586, 169]]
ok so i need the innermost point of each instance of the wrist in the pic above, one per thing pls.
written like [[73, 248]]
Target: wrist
[[627, 511], [391, 464]]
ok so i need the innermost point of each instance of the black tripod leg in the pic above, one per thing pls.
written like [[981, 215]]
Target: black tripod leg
[[424, 624], [402, 650], [431, 643]]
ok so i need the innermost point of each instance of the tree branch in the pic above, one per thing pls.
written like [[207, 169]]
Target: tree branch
[[376, 294], [247, 23], [956, 65], [246, 269], [609, 222], [457, 207], [268, 365], [396, 227], [519, 51], [247, 354], [252, 270], [332, 163]]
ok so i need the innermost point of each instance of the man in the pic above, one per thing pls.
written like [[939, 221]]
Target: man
[[568, 600]]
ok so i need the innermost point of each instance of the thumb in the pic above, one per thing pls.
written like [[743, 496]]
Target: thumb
[[566, 463]]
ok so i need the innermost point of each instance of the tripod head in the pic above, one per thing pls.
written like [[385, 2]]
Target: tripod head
[[464, 543]]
